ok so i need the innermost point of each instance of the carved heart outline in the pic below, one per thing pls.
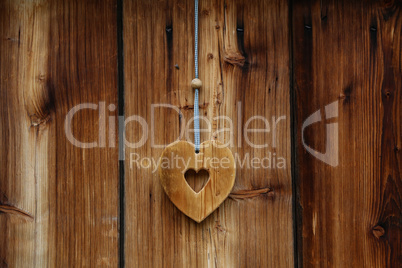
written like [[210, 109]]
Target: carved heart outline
[[197, 174], [195, 205]]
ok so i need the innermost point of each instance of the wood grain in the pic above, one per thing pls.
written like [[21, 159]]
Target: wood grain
[[349, 52], [25, 136], [244, 67], [58, 202]]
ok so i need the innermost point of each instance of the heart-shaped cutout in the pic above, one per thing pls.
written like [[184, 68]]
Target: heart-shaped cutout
[[216, 159], [196, 180]]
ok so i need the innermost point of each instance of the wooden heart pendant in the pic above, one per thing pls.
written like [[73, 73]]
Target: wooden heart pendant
[[179, 157]]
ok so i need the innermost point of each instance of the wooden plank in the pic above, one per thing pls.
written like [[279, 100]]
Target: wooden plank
[[59, 202], [24, 138], [244, 57], [349, 52]]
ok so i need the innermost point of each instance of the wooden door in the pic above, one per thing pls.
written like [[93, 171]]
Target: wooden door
[[319, 80]]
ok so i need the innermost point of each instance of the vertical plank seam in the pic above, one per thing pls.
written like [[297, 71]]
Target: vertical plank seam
[[120, 99], [293, 137]]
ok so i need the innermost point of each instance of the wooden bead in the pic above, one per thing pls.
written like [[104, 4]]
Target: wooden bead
[[196, 83]]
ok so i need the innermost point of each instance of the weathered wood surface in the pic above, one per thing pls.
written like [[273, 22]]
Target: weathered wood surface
[[244, 57], [58, 203], [350, 52]]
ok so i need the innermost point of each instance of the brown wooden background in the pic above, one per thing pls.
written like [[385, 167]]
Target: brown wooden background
[[62, 206]]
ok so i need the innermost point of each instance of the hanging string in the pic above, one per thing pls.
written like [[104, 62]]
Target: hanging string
[[196, 123], [194, 84], [196, 39]]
